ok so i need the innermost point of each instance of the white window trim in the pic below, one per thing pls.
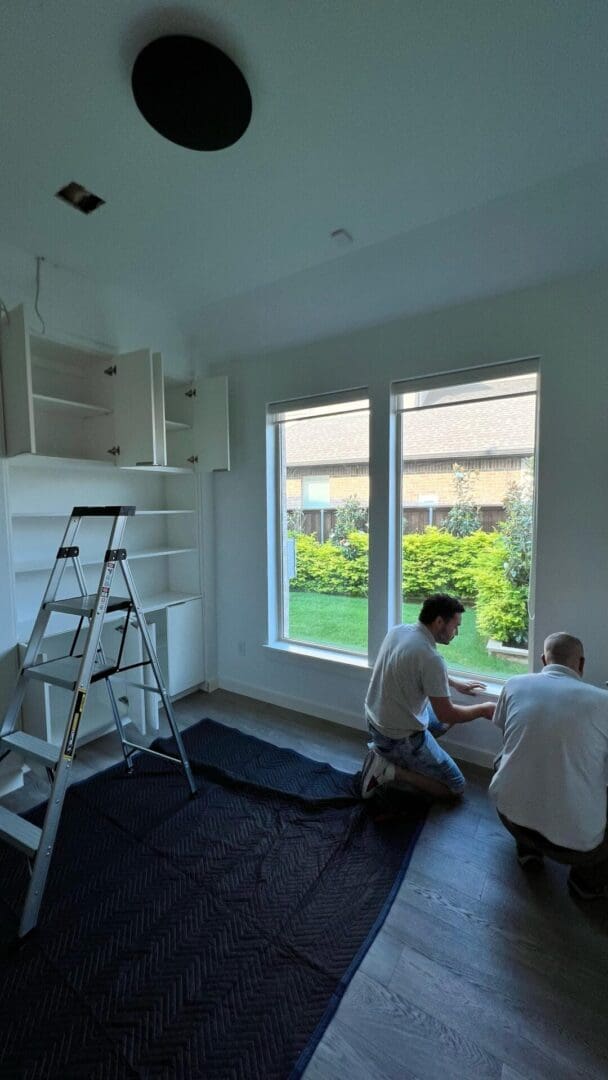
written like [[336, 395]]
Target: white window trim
[[276, 414]]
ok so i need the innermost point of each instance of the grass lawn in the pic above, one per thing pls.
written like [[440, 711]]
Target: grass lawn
[[341, 622]]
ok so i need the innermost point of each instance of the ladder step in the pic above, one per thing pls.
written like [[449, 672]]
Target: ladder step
[[64, 671], [84, 606], [32, 749], [18, 832]]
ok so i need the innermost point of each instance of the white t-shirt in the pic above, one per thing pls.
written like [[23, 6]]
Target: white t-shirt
[[408, 670], [553, 772]]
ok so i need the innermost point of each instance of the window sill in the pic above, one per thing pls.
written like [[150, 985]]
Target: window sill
[[322, 657]]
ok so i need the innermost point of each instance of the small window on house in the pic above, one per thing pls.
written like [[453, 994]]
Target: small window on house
[[467, 452], [318, 538]]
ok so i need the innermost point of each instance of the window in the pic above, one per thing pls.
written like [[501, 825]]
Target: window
[[318, 523], [466, 490]]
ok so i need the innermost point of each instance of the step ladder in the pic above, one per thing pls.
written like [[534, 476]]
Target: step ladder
[[76, 672]]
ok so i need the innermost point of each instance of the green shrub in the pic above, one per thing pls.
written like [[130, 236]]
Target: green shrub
[[470, 567], [501, 608], [436, 561], [325, 568]]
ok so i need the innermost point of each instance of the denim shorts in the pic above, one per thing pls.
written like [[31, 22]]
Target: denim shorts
[[421, 753]]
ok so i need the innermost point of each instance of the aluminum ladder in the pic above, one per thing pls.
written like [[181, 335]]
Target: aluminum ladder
[[76, 672]]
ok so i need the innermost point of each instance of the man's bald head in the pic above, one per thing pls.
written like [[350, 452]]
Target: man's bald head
[[564, 649]]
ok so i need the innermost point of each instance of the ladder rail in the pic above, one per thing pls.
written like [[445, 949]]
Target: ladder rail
[[40, 843], [40, 625], [48, 836], [152, 657]]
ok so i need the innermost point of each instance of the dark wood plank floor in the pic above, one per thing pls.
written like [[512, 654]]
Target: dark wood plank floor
[[480, 970]]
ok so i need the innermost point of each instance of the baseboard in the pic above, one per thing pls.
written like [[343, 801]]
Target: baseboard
[[475, 755], [461, 751], [300, 705]]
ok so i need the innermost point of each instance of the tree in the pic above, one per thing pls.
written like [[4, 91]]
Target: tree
[[464, 517], [350, 517], [295, 521], [516, 529]]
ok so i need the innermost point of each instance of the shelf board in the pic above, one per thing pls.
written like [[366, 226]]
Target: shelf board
[[37, 566], [157, 468], [177, 425], [156, 602], [80, 408], [67, 514]]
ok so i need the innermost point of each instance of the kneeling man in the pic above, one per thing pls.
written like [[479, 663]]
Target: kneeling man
[[550, 784], [408, 705]]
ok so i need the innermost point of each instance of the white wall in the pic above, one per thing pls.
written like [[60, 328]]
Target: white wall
[[566, 324]]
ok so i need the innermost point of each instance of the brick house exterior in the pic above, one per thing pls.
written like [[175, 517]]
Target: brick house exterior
[[327, 460]]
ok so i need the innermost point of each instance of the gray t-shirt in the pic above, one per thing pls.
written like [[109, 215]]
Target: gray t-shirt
[[553, 771], [408, 670]]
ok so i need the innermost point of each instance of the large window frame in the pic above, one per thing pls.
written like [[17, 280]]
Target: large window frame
[[426, 383]]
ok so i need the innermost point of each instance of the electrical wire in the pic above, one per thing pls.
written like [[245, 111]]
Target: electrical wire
[[39, 259]]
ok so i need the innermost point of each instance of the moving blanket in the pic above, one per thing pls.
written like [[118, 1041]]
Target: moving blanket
[[197, 938]]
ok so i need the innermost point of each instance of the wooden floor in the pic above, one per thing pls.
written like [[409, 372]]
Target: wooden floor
[[480, 970]]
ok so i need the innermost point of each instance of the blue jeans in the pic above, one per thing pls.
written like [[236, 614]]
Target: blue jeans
[[421, 753]]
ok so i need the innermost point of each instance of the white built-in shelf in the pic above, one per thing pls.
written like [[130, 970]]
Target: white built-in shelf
[[37, 566], [158, 469], [157, 602], [76, 408], [65, 515], [176, 425]]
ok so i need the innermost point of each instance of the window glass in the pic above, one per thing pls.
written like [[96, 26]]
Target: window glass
[[323, 501], [467, 511]]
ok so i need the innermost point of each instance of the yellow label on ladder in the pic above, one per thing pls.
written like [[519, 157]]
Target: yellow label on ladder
[[75, 722]]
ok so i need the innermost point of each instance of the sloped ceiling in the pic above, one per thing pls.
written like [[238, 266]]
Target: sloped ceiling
[[463, 145]]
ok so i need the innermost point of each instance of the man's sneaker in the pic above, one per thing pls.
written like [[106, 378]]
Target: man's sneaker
[[376, 772], [529, 860], [585, 892]]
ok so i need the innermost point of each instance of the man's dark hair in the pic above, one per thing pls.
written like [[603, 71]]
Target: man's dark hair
[[439, 604]]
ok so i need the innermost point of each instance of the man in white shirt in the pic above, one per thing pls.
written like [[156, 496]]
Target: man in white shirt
[[408, 705], [551, 780]]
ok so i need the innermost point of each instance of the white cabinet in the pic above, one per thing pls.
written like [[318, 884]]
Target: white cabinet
[[97, 410], [66, 401], [196, 420], [178, 637]]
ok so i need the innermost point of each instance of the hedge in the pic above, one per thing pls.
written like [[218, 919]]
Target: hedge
[[471, 567]]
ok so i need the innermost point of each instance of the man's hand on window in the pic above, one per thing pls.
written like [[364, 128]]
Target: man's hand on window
[[466, 686]]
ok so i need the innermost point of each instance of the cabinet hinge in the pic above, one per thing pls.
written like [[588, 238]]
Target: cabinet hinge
[[191, 392], [114, 450], [111, 370], [193, 459]]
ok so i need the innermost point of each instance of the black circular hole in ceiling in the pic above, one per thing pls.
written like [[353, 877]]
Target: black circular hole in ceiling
[[191, 92]]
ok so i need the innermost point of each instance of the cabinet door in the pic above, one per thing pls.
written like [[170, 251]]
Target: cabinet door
[[210, 424], [185, 661], [137, 400], [17, 385]]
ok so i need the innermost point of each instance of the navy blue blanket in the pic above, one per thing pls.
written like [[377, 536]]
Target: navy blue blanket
[[197, 938]]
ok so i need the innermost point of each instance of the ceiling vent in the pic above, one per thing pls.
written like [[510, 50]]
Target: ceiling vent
[[78, 197]]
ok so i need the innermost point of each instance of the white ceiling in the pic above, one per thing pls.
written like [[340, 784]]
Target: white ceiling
[[462, 143]]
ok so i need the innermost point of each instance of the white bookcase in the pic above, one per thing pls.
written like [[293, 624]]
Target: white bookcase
[[85, 427]]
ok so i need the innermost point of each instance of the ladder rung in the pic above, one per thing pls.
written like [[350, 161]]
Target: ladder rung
[[64, 671], [32, 749], [84, 606], [18, 832]]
